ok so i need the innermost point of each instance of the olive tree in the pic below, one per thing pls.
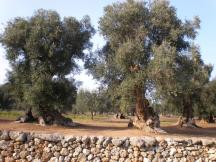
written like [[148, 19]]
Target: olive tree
[[133, 30], [42, 50]]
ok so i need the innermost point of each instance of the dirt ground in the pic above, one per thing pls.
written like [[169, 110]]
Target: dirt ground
[[110, 127]]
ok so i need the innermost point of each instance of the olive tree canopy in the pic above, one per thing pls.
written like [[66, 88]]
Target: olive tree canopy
[[135, 33], [42, 50]]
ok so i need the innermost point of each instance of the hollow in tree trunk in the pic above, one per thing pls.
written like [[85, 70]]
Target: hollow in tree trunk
[[145, 119], [27, 117], [45, 117], [187, 120]]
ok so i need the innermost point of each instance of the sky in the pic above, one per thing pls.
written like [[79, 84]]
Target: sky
[[186, 9]]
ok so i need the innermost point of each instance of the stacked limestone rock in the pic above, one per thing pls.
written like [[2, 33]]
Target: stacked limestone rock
[[18, 146]]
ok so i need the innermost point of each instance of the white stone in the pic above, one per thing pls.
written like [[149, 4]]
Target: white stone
[[46, 149], [212, 151], [64, 151], [29, 158], [36, 160], [199, 160], [172, 151], [86, 151], [136, 141], [50, 145], [4, 144], [146, 160], [117, 141], [90, 157], [53, 159]]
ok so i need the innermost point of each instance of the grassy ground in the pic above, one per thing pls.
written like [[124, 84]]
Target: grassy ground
[[10, 115], [14, 114], [80, 117]]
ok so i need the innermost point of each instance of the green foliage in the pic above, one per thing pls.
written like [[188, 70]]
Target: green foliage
[[180, 77], [10, 115], [7, 100], [207, 103], [138, 36], [95, 101], [42, 50]]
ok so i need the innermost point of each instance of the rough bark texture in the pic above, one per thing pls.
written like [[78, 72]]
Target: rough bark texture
[[27, 117], [184, 122], [187, 120], [211, 118], [146, 119], [48, 117]]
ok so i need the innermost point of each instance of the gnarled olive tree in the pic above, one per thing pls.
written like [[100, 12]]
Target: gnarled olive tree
[[41, 51], [132, 30]]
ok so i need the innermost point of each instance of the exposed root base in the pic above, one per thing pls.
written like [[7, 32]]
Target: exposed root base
[[203, 121], [54, 118], [182, 122], [145, 126], [152, 125], [26, 118]]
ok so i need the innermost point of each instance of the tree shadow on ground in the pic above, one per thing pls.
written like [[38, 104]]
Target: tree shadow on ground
[[174, 130], [89, 127]]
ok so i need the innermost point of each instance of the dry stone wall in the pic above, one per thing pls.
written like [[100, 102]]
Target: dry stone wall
[[23, 146]]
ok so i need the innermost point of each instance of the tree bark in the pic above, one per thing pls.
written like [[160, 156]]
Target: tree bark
[[187, 119], [187, 111], [211, 118], [46, 117], [145, 119], [27, 117], [141, 110], [92, 115]]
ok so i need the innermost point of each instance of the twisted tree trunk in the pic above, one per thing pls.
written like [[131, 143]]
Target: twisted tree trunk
[[187, 119], [27, 117], [141, 108], [46, 117], [146, 119]]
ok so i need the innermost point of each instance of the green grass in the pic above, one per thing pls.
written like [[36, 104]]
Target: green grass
[[14, 114], [10, 115], [168, 121]]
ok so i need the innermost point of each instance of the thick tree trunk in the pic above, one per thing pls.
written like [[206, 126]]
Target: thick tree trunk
[[188, 111], [145, 119], [54, 117], [187, 119], [211, 118], [141, 110], [47, 117], [27, 117]]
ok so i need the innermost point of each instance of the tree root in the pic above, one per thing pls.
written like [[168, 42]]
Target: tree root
[[27, 117], [51, 118], [151, 125], [190, 123]]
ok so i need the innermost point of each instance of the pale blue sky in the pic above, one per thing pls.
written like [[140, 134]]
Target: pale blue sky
[[186, 9]]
